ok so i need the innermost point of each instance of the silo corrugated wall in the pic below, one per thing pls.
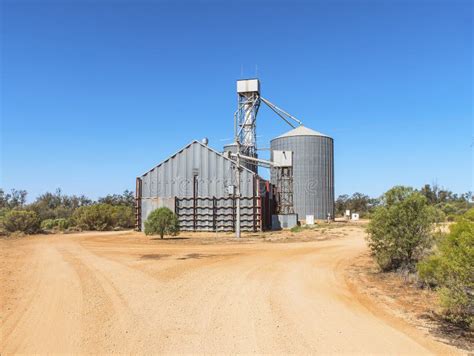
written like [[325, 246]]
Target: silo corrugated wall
[[313, 172]]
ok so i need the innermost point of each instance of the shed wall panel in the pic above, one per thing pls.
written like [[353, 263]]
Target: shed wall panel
[[175, 177]]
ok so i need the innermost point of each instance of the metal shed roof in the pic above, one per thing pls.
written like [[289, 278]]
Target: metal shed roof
[[203, 145]]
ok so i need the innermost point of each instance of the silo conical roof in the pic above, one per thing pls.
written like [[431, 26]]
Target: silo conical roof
[[302, 131]]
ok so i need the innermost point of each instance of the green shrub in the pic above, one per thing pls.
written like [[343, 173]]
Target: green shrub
[[62, 224], [47, 224], [451, 270], [399, 233], [3, 212], [296, 228], [468, 215], [161, 222], [103, 217], [123, 216], [451, 217], [94, 217], [21, 221], [50, 224], [438, 215], [300, 228]]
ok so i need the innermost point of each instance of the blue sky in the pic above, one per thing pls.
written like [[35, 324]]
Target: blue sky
[[94, 93]]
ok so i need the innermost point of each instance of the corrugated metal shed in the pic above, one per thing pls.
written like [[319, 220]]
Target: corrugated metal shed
[[313, 171], [174, 177]]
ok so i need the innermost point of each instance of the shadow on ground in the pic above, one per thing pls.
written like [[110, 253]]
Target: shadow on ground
[[153, 256], [195, 256]]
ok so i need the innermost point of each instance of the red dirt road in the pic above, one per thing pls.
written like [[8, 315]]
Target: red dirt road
[[126, 293]]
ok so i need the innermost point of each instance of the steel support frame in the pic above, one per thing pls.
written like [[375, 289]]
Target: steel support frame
[[284, 186]]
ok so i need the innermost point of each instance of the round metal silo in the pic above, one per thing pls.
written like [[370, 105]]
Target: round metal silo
[[231, 147], [313, 171]]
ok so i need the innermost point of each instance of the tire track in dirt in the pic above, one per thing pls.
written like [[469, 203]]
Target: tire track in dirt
[[101, 303], [48, 310], [117, 324], [16, 296]]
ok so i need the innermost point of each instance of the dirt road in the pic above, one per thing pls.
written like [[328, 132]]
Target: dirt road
[[123, 292]]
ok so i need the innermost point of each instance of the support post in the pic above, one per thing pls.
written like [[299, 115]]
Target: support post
[[237, 195], [138, 204], [214, 213], [254, 203], [176, 207], [194, 201]]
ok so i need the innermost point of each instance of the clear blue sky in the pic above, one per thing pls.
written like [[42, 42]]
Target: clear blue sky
[[95, 93]]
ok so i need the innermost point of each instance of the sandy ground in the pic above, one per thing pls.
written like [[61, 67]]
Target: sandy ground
[[127, 293]]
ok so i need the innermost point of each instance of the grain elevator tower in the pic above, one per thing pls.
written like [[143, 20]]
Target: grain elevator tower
[[245, 121]]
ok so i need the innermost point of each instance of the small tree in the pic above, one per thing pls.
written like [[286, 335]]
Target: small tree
[[162, 221], [14, 200], [126, 199], [399, 233]]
